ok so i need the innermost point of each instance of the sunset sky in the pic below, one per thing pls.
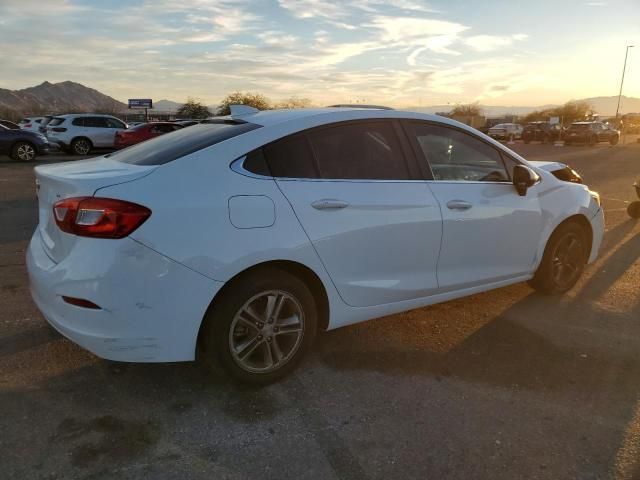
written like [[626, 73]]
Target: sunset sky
[[395, 52]]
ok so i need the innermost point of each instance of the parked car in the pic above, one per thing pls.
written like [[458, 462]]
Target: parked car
[[22, 144], [44, 123], [145, 131], [81, 133], [187, 123], [241, 238], [591, 133], [10, 125], [31, 124], [506, 131], [541, 132]]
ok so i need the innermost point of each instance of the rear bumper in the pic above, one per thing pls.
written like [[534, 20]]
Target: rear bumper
[[151, 306]]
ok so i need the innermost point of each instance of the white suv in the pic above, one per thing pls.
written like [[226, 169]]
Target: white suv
[[243, 236], [80, 133]]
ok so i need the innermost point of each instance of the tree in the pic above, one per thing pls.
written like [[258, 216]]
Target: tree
[[569, 112], [255, 100], [193, 109], [293, 102], [466, 110]]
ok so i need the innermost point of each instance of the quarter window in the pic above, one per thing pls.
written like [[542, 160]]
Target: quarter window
[[455, 155]]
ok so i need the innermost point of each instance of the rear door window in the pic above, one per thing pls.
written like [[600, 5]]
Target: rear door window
[[167, 148], [362, 150]]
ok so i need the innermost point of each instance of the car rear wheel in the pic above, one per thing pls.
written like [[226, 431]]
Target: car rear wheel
[[614, 140], [23, 151], [564, 259], [261, 327], [81, 146]]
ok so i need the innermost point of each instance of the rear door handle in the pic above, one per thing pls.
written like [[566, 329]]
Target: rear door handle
[[329, 204], [458, 205]]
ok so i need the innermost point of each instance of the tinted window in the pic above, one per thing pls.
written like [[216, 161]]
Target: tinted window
[[167, 148], [291, 157], [113, 123], [96, 122], [161, 128], [256, 162], [455, 155], [79, 122], [367, 150]]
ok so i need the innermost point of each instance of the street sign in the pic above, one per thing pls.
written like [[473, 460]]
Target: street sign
[[140, 103], [554, 120]]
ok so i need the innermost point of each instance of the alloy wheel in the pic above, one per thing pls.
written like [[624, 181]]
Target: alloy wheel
[[266, 332], [567, 259], [81, 147], [26, 152]]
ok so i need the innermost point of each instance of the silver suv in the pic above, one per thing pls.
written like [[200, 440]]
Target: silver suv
[[80, 133]]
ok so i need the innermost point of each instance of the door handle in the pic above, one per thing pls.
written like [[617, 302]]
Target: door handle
[[329, 204], [458, 205]]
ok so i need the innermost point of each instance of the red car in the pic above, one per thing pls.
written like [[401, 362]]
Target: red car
[[145, 131]]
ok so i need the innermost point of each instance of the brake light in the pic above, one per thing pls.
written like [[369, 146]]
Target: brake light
[[99, 217]]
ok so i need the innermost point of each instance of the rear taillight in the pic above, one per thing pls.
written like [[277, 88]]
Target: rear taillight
[[28, 125], [99, 217]]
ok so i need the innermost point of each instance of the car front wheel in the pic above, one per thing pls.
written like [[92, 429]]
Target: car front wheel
[[23, 151], [564, 259], [261, 327]]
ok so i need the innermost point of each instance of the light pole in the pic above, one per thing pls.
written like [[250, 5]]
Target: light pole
[[622, 81]]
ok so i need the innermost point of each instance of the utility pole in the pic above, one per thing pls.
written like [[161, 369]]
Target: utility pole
[[622, 81]]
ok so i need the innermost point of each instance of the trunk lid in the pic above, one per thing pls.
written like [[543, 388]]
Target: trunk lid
[[75, 179]]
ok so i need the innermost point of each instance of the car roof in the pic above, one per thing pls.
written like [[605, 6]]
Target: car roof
[[70, 115], [268, 118]]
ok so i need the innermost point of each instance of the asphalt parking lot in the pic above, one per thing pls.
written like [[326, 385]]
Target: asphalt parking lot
[[503, 385]]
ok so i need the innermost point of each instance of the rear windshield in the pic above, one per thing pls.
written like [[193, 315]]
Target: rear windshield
[[169, 147], [55, 121]]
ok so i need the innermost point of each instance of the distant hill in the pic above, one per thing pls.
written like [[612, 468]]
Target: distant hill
[[166, 106], [69, 97], [605, 106], [56, 98]]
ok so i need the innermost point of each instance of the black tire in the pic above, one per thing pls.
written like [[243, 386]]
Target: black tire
[[634, 209], [81, 146], [549, 277], [614, 140], [591, 141], [217, 336], [24, 152]]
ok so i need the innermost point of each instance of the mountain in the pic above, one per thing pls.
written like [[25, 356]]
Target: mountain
[[487, 110], [56, 98], [166, 106], [605, 106], [69, 97]]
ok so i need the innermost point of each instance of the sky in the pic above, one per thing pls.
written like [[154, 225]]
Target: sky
[[399, 53]]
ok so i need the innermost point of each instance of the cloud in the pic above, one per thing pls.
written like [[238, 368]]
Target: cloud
[[488, 43]]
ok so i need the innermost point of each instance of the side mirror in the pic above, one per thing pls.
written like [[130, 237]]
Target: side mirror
[[523, 178]]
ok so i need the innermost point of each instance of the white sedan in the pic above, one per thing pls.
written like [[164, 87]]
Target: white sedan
[[243, 236]]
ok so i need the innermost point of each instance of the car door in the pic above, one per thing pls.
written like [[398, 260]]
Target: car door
[[490, 233], [111, 126], [375, 226]]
